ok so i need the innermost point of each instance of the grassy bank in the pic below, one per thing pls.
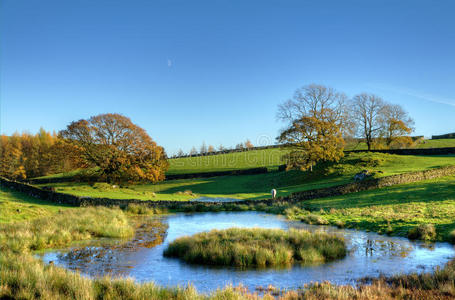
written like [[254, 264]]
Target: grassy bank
[[257, 247], [259, 186], [24, 277], [395, 210], [62, 228], [437, 285]]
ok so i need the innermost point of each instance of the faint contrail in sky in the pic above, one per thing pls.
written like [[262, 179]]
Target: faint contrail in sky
[[418, 94]]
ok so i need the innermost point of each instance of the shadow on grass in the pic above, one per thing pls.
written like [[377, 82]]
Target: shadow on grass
[[434, 190], [18, 197]]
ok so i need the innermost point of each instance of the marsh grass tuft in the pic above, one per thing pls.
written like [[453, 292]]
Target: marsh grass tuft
[[426, 232], [137, 209], [63, 228], [24, 277], [257, 247]]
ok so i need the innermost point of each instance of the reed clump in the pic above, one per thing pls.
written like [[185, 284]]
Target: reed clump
[[256, 247], [63, 228], [138, 209], [426, 232]]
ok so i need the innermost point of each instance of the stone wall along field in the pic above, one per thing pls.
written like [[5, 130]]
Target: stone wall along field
[[353, 187]]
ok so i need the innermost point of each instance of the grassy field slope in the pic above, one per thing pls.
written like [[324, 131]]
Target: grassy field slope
[[15, 206], [269, 158], [259, 186], [440, 143]]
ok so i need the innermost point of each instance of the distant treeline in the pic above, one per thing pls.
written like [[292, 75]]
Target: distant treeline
[[225, 151], [444, 136], [30, 155], [251, 148]]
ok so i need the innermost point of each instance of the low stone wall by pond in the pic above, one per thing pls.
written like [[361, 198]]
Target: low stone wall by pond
[[368, 184]]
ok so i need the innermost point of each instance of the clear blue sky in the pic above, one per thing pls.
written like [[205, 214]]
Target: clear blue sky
[[215, 71]]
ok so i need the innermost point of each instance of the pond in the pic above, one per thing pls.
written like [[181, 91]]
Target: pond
[[370, 255]]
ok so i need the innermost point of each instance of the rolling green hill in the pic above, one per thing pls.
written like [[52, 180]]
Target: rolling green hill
[[269, 158], [259, 186]]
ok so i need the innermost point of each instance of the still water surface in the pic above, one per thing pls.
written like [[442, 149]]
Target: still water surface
[[370, 254]]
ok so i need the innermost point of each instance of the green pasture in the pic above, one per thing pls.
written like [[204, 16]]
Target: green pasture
[[16, 206], [392, 210], [259, 186]]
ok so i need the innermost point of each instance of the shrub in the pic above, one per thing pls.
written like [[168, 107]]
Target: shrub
[[140, 209], [103, 186], [452, 236], [373, 160], [340, 224], [314, 219], [426, 232]]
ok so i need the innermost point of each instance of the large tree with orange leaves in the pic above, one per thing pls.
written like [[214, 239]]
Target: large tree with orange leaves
[[121, 150], [312, 139]]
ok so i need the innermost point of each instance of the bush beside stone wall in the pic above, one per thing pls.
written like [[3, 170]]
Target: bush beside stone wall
[[353, 187]]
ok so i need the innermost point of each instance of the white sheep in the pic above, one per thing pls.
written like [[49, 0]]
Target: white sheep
[[273, 193]]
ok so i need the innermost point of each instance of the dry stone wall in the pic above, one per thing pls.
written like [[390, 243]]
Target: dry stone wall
[[338, 190]]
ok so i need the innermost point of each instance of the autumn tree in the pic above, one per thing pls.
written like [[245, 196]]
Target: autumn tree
[[28, 155], [118, 148], [315, 118], [12, 159], [367, 111], [66, 157], [211, 149], [396, 125], [248, 144], [37, 153]]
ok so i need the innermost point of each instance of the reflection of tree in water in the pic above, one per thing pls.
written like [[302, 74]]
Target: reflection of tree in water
[[385, 247], [108, 257]]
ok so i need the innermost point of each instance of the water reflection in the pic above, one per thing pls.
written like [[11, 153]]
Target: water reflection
[[369, 255], [115, 257]]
